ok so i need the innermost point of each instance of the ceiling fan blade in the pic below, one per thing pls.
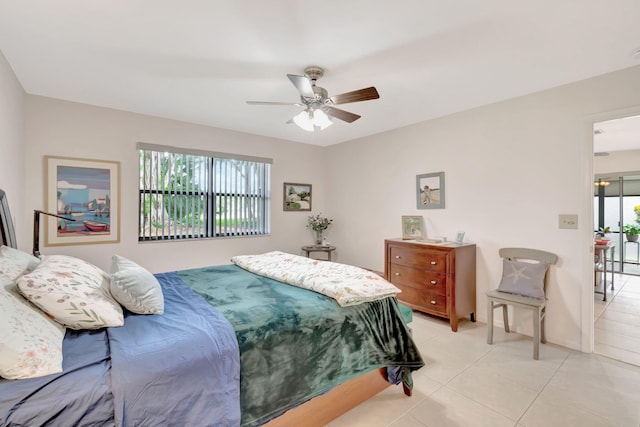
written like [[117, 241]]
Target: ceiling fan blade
[[365, 94], [340, 114], [303, 84], [297, 104]]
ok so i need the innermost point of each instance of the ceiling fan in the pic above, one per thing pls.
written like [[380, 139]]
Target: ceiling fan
[[319, 106]]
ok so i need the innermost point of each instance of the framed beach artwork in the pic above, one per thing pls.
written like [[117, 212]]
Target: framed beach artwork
[[87, 193], [430, 190], [297, 197], [412, 227]]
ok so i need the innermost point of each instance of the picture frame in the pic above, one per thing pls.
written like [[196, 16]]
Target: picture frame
[[296, 197], [87, 192], [412, 227], [460, 237], [430, 191]]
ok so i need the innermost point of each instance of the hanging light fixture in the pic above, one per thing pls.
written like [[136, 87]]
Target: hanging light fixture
[[311, 120], [601, 183], [304, 120], [321, 120]]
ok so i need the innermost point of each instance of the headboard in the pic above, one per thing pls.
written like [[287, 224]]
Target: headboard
[[7, 233]]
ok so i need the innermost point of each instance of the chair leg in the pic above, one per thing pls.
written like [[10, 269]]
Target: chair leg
[[505, 317], [543, 337], [536, 334], [489, 321]]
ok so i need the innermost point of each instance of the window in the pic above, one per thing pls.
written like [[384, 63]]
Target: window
[[192, 194]]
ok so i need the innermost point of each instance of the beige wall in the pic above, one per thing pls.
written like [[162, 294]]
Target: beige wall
[[618, 162], [510, 169], [11, 142], [67, 129]]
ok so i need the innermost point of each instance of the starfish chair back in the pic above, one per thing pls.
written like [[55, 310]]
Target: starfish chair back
[[524, 278]]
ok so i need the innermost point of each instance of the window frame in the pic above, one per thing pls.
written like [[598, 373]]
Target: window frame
[[240, 183]]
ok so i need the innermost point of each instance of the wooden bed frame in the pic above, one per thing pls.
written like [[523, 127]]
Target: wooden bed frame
[[327, 407], [316, 412]]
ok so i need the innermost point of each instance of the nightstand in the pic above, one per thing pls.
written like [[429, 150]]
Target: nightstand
[[319, 248]]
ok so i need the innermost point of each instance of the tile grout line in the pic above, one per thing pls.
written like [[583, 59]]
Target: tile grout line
[[624, 282], [475, 401], [518, 421]]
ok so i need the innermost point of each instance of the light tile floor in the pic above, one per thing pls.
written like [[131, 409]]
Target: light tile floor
[[617, 321], [467, 382]]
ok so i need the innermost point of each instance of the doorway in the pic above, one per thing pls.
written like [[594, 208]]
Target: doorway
[[615, 197]]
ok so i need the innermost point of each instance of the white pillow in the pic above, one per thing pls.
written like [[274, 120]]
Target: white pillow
[[135, 288], [73, 292], [14, 263], [30, 342]]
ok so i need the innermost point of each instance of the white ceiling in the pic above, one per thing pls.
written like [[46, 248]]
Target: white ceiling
[[617, 135], [200, 60]]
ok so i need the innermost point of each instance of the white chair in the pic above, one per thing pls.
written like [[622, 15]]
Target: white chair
[[520, 292]]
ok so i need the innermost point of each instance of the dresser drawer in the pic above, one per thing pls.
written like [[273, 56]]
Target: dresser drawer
[[428, 300], [419, 257], [436, 279], [418, 278]]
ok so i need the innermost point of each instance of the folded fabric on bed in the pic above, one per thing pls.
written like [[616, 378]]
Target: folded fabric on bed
[[179, 368], [347, 284], [296, 344]]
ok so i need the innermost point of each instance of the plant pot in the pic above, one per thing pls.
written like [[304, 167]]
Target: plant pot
[[632, 237]]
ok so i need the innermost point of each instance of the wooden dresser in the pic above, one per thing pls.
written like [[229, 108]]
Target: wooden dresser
[[435, 279]]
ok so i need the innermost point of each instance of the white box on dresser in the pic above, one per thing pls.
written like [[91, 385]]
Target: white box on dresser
[[438, 279]]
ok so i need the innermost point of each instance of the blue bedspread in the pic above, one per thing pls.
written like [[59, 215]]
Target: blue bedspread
[[181, 368], [80, 395]]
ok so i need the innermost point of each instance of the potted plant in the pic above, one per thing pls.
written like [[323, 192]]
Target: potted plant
[[318, 224], [631, 231], [602, 231]]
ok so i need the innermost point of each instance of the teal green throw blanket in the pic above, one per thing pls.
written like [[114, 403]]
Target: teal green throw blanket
[[296, 344]]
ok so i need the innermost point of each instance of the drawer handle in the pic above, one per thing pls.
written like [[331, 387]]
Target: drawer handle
[[398, 257], [434, 262], [433, 282], [397, 274], [433, 302]]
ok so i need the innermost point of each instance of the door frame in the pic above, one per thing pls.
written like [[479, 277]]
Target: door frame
[[587, 319]]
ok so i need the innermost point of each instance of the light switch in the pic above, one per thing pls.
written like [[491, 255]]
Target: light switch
[[568, 221]]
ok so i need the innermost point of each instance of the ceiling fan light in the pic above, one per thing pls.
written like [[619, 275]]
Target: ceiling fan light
[[304, 120], [321, 119]]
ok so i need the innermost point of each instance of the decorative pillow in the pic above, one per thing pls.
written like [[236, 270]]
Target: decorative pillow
[[14, 263], [523, 278], [135, 288], [30, 342], [73, 292]]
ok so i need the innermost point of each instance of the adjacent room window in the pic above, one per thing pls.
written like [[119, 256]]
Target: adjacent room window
[[193, 194]]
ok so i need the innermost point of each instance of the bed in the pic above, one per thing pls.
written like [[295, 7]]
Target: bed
[[231, 348]]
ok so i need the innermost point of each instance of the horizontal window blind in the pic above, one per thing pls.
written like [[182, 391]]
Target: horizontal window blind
[[196, 194]]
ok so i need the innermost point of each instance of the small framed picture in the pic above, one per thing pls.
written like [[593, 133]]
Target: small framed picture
[[430, 190], [297, 197], [412, 228], [460, 237]]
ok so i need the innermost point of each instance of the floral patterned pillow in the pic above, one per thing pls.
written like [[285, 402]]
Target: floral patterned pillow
[[14, 263], [30, 342], [73, 292]]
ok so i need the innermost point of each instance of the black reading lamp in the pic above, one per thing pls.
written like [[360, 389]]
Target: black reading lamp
[[36, 229]]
